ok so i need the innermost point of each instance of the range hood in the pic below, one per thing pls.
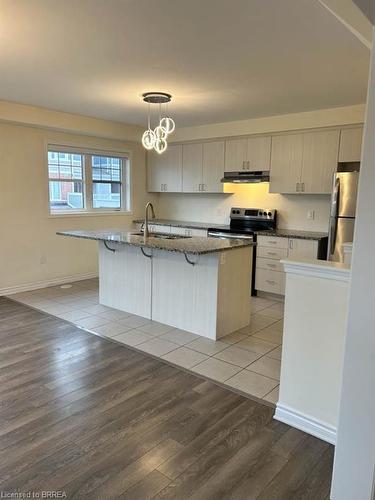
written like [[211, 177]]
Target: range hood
[[244, 176]]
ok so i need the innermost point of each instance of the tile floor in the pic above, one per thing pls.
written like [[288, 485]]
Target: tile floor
[[247, 360]]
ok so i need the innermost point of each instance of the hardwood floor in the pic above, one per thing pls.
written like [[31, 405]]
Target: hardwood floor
[[92, 419]]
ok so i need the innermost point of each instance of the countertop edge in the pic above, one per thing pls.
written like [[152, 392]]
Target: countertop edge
[[156, 247], [318, 268]]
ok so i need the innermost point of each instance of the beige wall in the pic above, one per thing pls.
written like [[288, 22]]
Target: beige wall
[[270, 124], [30, 252], [292, 209]]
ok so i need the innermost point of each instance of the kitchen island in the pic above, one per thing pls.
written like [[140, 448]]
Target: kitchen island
[[201, 285]]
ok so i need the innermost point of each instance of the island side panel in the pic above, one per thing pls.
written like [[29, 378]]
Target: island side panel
[[185, 296], [125, 279], [234, 290]]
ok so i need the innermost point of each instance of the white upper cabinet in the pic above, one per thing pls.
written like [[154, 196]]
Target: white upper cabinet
[[213, 166], [259, 153], [286, 163], [192, 166], [350, 144], [320, 150], [304, 163], [203, 167], [251, 154], [165, 170], [235, 155], [188, 168]]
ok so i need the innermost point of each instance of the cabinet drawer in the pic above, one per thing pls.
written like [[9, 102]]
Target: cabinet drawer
[[272, 253], [197, 232], [186, 231], [270, 281], [272, 241], [158, 228], [270, 264], [178, 230]]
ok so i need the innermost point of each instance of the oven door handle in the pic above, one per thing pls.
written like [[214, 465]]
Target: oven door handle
[[213, 234]]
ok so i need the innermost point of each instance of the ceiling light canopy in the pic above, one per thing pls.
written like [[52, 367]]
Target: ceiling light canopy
[[157, 138]]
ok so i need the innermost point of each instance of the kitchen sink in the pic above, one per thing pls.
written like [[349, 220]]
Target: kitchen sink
[[163, 236]]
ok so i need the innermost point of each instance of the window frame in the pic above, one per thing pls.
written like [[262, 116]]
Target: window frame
[[88, 182]]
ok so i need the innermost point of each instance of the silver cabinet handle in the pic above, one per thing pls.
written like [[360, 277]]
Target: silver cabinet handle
[[290, 244], [297, 187], [243, 165], [165, 187], [248, 165], [271, 282], [271, 265], [303, 187], [272, 242], [203, 187], [271, 253]]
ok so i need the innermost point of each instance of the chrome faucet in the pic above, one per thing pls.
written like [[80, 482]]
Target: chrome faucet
[[146, 231]]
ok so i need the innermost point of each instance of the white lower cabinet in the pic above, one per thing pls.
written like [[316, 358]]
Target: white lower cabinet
[[269, 273], [270, 281]]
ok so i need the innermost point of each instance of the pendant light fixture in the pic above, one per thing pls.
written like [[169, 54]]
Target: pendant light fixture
[[157, 139]]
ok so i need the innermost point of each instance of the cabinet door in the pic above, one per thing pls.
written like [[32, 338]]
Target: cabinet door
[[351, 144], [320, 151], [155, 176], [213, 166], [192, 155], [235, 155], [286, 163], [259, 153], [302, 249], [172, 169]]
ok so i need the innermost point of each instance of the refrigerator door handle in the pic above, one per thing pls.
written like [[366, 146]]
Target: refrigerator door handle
[[335, 198]]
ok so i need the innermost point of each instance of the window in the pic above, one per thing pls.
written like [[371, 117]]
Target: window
[[85, 181]]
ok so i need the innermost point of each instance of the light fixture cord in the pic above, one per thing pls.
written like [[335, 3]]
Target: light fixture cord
[[149, 123]]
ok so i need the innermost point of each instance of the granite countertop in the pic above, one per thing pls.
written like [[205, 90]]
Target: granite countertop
[[294, 233], [281, 233], [187, 245], [183, 223]]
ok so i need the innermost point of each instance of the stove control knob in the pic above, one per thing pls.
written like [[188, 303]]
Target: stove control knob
[[269, 214], [265, 214]]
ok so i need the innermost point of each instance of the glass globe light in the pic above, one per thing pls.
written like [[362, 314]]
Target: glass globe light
[[160, 132], [148, 139], [160, 145], [168, 124]]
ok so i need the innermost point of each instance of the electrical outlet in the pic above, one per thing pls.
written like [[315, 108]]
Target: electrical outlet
[[311, 214]]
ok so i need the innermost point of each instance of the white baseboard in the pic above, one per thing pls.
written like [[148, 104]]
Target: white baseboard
[[26, 287], [305, 423]]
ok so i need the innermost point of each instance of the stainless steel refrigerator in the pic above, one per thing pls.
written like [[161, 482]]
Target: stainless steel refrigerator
[[342, 216]]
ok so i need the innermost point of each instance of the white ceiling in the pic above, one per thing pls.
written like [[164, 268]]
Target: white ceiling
[[222, 60]]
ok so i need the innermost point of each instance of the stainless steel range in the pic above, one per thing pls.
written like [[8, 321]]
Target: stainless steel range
[[244, 223]]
